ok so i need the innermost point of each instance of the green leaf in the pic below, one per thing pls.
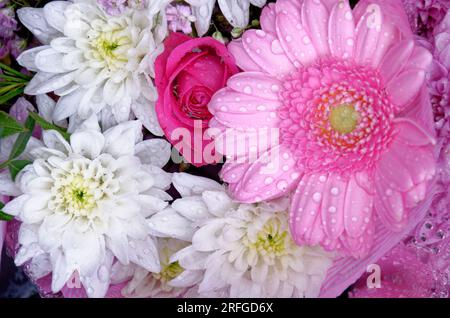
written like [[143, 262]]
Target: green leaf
[[11, 94], [22, 139], [9, 125], [49, 126], [3, 215], [15, 166], [10, 71]]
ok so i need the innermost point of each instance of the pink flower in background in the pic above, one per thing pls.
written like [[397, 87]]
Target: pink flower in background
[[180, 18], [345, 89], [188, 73]]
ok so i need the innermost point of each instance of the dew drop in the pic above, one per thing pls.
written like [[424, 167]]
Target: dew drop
[[334, 191], [317, 196], [276, 47], [282, 185], [247, 90]]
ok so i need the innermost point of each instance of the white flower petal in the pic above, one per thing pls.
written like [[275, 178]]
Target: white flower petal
[[204, 239], [50, 61], [236, 12], [87, 143], [34, 20], [120, 140], [7, 186], [169, 223], [145, 254], [202, 15], [53, 140], [218, 202], [67, 105], [54, 14], [84, 250], [188, 185], [186, 279], [192, 208], [62, 271], [144, 110], [153, 151], [42, 82], [15, 206], [28, 57], [97, 284]]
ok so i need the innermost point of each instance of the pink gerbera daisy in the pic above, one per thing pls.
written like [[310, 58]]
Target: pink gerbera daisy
[[345, 90]]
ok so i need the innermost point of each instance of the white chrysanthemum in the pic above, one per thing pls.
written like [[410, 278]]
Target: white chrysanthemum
[[144, 284], [85, 202], [237, 250], [95, 62], [236, 12]]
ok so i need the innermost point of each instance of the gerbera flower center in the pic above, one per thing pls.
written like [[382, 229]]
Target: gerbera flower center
[[344, 118], [336, 116]]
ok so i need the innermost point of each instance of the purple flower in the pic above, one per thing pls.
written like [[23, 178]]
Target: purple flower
[[439, 79], [8, 23], [425, 15], [180, 18], [113, 7]]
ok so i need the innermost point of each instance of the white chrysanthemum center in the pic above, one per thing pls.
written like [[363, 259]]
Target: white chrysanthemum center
[[111, 47], [78, 189], [272, 240], [168, 272]]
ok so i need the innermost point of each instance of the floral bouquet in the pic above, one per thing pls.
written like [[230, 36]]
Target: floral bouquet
[[238, 148]]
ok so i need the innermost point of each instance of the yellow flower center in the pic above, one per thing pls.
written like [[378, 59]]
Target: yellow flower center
[[168, 272], [271, 240], [111, 48], [344, 118]]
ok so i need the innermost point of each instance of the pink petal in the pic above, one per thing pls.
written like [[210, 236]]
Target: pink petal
[[421, 58], [316, 233], [244, 145], [305, 207], [228, 100], [256, 84], [367, 35], [391, 168], [361, 246], [414, 147], [293, 37], [415, 195], [389, 205], [267, 18], [358, 209], [273, 174], [410, 133], [315, 20], [341, 30], [233, 172], [404, 87], [245, 63], [395, 59], [266, 51], [246, 119], [333, 206]]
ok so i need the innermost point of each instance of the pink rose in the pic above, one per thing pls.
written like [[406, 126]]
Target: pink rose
[[188, 73]]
